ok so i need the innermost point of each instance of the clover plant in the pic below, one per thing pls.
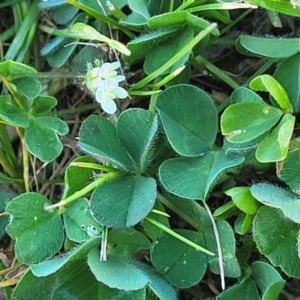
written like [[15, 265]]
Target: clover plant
[[112, 235]]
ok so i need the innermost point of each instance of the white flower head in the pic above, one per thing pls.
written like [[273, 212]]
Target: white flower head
[[95, 74], [92, 79], [107, 91], [108, 70]]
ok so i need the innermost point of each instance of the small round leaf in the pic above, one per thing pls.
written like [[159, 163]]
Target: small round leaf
[[38, 233], [123, 202]]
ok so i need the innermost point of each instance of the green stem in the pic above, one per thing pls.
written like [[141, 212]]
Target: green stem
[[74, 111], [6, 179], [225, 6], [262, 69], [92, 166], [215, 70], [171, 5], [6, 143], [8, 34], [13, 93], [29, 39], [101, 17], [115, 11], [223, 41], [153, 97], [87, 189], [169, 77], [18, 41], [176, 57], [18, 18], [178, 211], [184, 5], [7, 289], [7, 166], [235, 21], [178, 236]]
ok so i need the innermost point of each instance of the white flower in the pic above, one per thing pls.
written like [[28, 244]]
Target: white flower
[[92, 79], [107, 70], [107, 91]]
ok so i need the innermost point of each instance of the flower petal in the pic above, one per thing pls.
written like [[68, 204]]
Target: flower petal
[[94, 73], [119, 78], [109, 106], [114, 66], [99, 95], [108, 83], [118, 91]]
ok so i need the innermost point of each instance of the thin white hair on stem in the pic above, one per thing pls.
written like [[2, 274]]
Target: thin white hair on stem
[[217, 236]]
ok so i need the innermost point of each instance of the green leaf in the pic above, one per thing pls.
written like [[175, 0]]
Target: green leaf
[[123, 202], [28, 86], [67, 46], [79, 224], [38, 233], [83, 31], [276, 238], [12, 114], [243, 122], [51, 266], [243, 94], [193, 178], [141, 45], [59, 57], [227, 240], [225, 211], [190, 210], [277, 197], [159, 286], [5, 197], [180, 264], [136, 129], [62, 14], [288, 170], [127, 241], [77, 177], [242, 149], [42, 105], [166, 50], [179, 18], [66, 283], [274, 147], [116, 272], [80, 60], [139, 7], [168, 19], [243, 199], [267, 83], [269, 47], [116, 294], [41, 137], [134, 20], [283, 7], [189, 119], [245, 290], [243, 223], [98, 138], [11, 70], [288, 74], [151, 230], [267, 279], [157, 7]]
